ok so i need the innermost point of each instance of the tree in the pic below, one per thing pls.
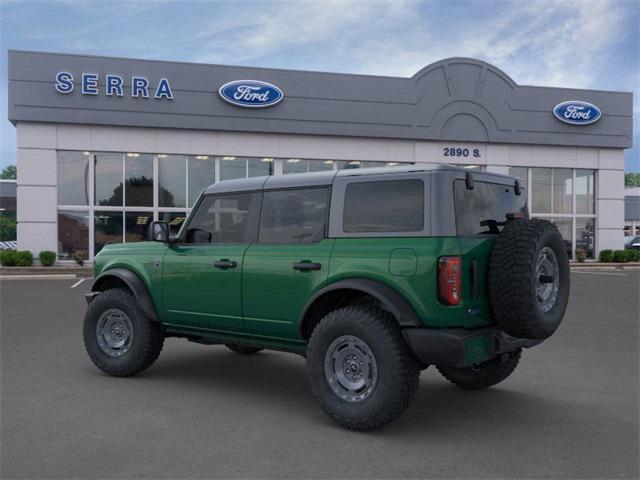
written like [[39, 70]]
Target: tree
[[632, 180], [9, 173]]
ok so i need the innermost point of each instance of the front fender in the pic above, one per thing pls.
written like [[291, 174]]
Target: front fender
[[133, 282]]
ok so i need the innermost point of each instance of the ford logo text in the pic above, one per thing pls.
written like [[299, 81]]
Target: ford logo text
[[577, 112], [250, 93]]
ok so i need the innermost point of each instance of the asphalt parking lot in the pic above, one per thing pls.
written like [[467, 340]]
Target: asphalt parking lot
[[569, 411]]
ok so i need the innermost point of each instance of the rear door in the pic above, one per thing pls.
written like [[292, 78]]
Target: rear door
[[202, 274], [290, 260]]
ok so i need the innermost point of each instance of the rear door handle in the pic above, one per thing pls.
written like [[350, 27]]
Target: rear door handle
[[225, 264], [306, 266]]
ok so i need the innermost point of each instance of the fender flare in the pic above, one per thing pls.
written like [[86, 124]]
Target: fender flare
[[391, 300], [135, 284]]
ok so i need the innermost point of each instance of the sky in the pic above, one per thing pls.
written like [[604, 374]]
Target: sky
[[564, 43]]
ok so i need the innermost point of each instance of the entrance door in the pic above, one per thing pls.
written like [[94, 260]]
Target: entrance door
[[290, 260], [202, 274]]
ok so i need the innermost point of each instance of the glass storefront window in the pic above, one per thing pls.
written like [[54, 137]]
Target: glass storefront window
[[565, 226], [259, 167], [138, 172], [107, 229], [349, 164], [585, 235], [174, 219], [233, 167], [136, 226], [201, 175], [73, 234], [295, 165], [320, 165], [172, 188], [73, 178], [522, 173], [541, 190], [562, 190], [108, 179], [585, 192]]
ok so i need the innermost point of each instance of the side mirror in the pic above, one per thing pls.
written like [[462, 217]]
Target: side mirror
[[160, 232]]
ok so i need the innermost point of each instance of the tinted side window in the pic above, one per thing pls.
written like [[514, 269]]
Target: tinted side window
[[384, 206], [224, 219], [294, 216], [487, 201]]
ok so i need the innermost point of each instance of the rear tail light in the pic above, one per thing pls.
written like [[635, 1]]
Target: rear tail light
[[449, 280]]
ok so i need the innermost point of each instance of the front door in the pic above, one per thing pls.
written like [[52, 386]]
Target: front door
[[202, 273], [289, 262]]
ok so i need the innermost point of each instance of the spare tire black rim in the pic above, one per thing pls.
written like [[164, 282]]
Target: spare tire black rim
[[350, 368], [548, 275], [114, 332]]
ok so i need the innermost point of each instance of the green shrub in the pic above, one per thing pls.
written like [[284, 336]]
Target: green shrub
[[47, 258], [8, 258], [606, 256], [24, 258], [633, 255], [80, 256], [581, 254], [620, 256]]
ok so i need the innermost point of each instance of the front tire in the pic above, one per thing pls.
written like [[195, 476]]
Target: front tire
[[484, 375], [360, 369], [118, 337]]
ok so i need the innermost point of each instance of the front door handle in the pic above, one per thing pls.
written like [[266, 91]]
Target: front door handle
[[225, 264], [306, 266]]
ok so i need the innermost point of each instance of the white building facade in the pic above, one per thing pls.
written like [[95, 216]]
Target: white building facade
[[98, 163]]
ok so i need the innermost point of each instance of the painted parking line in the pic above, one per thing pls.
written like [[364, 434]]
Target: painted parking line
[[601, 273], [78, 283]]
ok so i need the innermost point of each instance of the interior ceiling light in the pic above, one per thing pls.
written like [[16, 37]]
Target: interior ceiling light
[[293, 160], [228, 158], [202, 157]]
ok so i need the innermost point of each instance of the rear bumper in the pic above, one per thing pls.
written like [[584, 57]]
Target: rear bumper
[[457, 347]]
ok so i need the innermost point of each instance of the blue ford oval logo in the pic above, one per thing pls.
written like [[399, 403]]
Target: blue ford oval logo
[[250, 93], [577, 112]]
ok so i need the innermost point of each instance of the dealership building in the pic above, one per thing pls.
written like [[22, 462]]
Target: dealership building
[[106, 145]]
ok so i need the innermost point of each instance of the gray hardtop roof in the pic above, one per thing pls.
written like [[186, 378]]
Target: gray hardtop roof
[[314, 179]]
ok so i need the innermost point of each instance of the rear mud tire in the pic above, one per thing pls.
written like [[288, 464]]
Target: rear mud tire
[[396, 370], [484, 375]]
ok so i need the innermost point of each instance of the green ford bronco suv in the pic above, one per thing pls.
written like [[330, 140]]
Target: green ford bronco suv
[[372, 275]]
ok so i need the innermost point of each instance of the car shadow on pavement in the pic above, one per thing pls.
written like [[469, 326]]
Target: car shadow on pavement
[[275, 380]]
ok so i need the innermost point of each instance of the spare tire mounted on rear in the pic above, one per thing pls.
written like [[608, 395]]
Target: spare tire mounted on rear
[[529, 278]]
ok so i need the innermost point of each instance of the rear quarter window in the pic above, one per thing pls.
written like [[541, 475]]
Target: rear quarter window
[[487, 201], [384, 206]]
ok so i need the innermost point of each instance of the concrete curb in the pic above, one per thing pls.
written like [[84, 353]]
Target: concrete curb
[[51, 276], [46, 271], [605, 266]]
